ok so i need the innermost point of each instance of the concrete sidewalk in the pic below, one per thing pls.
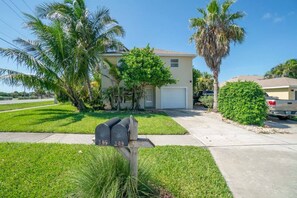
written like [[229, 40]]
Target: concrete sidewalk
[[254, 165], [158, 140]]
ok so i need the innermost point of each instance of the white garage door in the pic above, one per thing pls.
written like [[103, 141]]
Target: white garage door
[[173, 98]]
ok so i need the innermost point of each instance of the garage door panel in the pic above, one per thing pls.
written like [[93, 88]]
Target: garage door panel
[[173, 98]]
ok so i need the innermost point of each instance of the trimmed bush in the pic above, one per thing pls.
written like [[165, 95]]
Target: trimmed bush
[[207, 101], [243, 102]]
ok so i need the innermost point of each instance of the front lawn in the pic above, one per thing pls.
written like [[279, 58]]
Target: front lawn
[[44, 170], [5, 107], [65, 119]]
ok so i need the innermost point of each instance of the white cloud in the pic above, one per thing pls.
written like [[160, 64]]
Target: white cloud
[[267, 16], [275, 17], [278, 19], [291, 13]]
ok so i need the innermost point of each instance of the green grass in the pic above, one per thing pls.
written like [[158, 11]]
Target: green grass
[[294, 118], [44, 170], [5, 107], [65, 119]]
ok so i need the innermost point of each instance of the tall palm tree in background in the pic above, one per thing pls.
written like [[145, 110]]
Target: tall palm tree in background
[[69, 45], [95, 33], [214, 32]]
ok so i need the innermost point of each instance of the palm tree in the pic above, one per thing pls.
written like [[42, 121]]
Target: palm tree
[[214, 32], [49, 58], [287, 69], [95, 33], [115, 72], [205, 82]]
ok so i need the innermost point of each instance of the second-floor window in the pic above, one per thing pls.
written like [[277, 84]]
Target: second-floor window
[[174, 62]]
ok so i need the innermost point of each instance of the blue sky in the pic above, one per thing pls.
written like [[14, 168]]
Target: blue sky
[[271, 30]]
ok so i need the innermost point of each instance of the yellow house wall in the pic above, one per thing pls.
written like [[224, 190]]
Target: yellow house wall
[[281, 93], [183, 75], [292, 93]]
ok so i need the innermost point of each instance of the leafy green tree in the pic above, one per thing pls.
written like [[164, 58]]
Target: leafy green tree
[[196, 74], [95, 33], [141, 67], [287, 69], [205, 82], [214, 31], [202, 81]]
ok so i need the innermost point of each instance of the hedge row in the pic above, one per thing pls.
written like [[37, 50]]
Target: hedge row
[[243, 102]]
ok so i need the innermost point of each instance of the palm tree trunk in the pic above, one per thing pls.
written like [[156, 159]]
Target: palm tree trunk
[[90, 89], [119, 98], [215, 91], [76, 101]]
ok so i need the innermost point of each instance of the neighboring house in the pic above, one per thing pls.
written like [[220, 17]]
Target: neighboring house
[[179, 95], [283, 87]]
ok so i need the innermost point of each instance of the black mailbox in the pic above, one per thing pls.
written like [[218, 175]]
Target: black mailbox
[[102, 132], [120, 133]]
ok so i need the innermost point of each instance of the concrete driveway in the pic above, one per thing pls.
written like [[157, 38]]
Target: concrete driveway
[[254, 165]]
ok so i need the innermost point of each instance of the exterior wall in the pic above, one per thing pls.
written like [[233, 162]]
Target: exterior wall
[[281, 93], [292, 93], [182, 73]]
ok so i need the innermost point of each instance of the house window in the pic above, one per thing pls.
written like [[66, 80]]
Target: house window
[[174, 62]]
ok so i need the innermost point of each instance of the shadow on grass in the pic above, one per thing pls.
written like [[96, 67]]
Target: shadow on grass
[[53, 115]]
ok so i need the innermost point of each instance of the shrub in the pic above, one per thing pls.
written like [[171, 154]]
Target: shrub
[[107, 174], [207, 101], [243, 102]]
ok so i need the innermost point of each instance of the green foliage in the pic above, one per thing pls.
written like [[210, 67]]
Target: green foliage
[[65, 119], [142, 67], [196, 74], [202, 81], [108, 175], [66, 51], [46, 170], [207, 101], [215, 30], [287, 69], [243, 102]]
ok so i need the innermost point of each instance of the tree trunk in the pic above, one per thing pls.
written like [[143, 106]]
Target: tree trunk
[[133, 98], [90, 89], [215, 90], [119, 98], [76, 101]]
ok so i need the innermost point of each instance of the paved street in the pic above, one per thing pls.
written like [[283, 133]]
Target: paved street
[[14, 101], [254, 165]]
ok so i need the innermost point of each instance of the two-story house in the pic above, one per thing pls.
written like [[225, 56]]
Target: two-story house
[[179, 95]]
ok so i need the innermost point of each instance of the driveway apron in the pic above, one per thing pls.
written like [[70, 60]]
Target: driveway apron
[[254, 165]]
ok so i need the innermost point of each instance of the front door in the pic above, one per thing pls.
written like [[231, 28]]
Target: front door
[[149, 97], [295, 95]]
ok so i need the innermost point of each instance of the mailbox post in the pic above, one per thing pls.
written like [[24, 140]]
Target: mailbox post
[[123, 136]]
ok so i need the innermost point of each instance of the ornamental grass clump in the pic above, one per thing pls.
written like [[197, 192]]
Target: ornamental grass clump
[[106, 174], [243, 102]]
